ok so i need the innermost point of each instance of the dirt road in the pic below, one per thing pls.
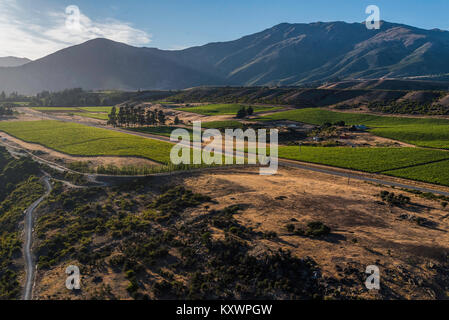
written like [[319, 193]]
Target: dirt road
[[29, 259]]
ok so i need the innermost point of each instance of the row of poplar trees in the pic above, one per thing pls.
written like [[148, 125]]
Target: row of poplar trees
[[130, 116], [6, 110]]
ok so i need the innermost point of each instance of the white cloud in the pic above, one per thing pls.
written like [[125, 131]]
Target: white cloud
[[34, 35]]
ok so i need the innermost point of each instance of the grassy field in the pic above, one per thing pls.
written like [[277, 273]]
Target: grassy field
[[77, 139], [363, 159], [433, 136], [80, 140], [413, 163], [100, 113], [422, 132], [58, 109], [68, 109], [99, 116], [19, 103], [96, 109], [437, 172], [223, 109], [229, 124], [167, 130], [160, 131]]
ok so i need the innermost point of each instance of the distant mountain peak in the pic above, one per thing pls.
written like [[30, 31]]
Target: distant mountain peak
[[286, 54], [13, 61]]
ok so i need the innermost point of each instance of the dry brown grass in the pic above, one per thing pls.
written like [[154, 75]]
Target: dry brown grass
[[364, 231]]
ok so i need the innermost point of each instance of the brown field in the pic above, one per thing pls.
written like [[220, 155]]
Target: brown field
[[353, 212], [364, 231]]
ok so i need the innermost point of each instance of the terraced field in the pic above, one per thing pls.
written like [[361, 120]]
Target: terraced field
[[77, 139], [56, 109], [223, 109], [437, 172], [364, 159], [160, 131], [227, 124], [68, 109], [100, 113], [422, 132], [96, 109], [413, 163], [99, 116]]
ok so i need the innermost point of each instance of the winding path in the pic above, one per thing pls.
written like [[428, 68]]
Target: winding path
[[29, 259]]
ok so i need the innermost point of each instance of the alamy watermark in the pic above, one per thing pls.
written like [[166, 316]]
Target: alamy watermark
[[73, 280], [373, 280], [73, 18], [373, 20], [249, 146]]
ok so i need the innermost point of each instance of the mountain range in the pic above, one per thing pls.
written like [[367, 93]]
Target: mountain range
[[284, 55], [13, 61]]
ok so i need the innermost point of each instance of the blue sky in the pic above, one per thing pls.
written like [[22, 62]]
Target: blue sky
[[34, 28]]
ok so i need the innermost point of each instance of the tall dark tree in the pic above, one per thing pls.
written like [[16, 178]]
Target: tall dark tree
[[133, 116], [241, 113], [161, 117], [141, 116], [113, 117], [127, 115], [149, 117], [121, 117]]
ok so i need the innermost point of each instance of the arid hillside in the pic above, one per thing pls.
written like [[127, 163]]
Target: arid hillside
[[392, 97], [231, 233]]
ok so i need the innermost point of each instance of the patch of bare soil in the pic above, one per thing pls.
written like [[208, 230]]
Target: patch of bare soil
[[188, 117], [77, 118], [420, 96], [28, 114], [21, 117], [444, 101], [369, 140], [185, 117]]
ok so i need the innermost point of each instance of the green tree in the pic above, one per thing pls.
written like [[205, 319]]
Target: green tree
[[141, 116], [121, 117], [128, 115], [113, 117], [241, 113], [161, 117], [149, 117]]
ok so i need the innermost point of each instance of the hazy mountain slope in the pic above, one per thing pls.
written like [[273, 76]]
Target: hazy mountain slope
[[395, 51], [290, 54], [286, 54], [101, 64], [13, 61], [388, 84]]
